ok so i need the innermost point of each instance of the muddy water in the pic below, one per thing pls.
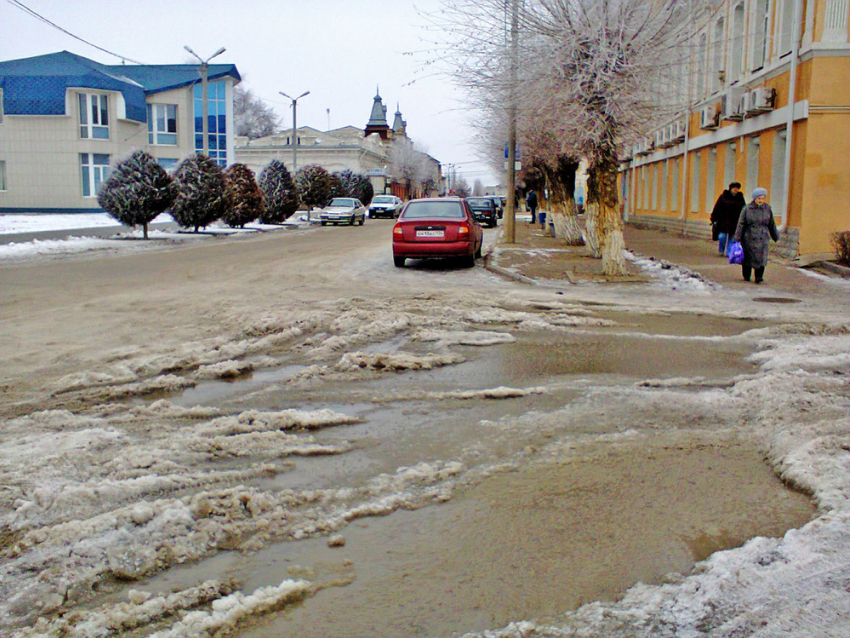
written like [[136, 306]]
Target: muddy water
[[529, 544]]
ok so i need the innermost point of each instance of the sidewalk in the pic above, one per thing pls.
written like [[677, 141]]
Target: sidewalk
[[538, 258]]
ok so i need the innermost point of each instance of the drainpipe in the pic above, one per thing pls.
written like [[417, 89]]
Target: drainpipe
[[792, 98]]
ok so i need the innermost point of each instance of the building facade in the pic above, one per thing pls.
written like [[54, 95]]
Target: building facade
[[65, 120], [769, 106]]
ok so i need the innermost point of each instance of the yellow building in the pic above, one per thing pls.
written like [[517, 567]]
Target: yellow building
[[743, 126]]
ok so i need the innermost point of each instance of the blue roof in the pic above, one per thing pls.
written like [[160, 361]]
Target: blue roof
[[37, 86]]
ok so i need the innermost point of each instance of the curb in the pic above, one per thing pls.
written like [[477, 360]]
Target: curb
[[842, 271], [504, 272]]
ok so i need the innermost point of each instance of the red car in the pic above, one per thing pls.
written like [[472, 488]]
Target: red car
[[437, 228]]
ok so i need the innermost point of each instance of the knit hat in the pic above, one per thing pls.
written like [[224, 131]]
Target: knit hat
[[759, 192]]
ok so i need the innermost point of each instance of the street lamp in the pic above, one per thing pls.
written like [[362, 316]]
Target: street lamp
[[294, 129], [204, 68]]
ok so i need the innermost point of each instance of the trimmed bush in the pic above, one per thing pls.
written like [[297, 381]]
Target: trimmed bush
[[248, 202], [841, 243], [279, 192], [137, 191], [314, 185], [204, 194], [338, 187]]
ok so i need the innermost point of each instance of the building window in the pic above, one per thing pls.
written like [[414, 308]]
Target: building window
[[216, 121], [2, 175], [736, 46], [674, 187], [94, 116], [710, 178], [729, 165], [777, 181], [753, 148], [665, 177], [655, 187], [761, 17], [717, 70], [167, 162], [695, 176], [95, 170], [786, 20], [702, 52], [1, 106], [645, 188], [162, 124]]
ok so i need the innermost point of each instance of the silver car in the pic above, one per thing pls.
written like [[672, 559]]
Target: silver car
[[385, 206], [343, 210]]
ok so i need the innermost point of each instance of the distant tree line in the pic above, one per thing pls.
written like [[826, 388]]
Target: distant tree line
[[199, 192]]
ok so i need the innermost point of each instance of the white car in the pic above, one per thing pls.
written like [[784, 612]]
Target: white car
[[385, 206], [343, 210]]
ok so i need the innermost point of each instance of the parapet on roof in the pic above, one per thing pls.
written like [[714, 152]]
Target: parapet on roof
[[37, 85]]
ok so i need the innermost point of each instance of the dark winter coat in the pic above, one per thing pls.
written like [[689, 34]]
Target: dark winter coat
[[726, 211], [755, 230], [531, 200]]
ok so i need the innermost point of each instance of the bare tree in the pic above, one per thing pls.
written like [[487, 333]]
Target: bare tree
[[408, 165], [586, 78], [477, 188], [253, 117]]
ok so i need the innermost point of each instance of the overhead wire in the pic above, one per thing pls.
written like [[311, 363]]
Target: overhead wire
[[20, 5]]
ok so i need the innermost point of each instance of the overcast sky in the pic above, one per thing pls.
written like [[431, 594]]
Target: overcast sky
[[339, 50]]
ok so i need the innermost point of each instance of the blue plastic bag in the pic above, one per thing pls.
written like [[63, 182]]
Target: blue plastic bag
[[736, 253]]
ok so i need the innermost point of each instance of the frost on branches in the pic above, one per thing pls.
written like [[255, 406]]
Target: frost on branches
[[314, 185], [137, 191], [280, 193], [248, 202], [204, 195]]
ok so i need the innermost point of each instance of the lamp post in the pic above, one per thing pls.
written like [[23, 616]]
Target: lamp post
[[294, 129], [204, 69]]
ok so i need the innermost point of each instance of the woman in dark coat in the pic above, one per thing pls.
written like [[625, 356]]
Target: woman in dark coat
[[755, 230], [725, 215]]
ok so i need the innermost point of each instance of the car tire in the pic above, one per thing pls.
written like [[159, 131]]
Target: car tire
[[468, 261], [351, 221], [398, 261], [324, 223], [363, 220], [478, 252]]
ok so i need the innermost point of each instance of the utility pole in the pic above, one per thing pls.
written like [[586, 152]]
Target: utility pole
[[510, 212], [294, 129], [205, 98]]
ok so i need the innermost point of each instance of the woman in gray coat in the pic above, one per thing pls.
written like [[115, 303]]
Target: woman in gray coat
[[755, 230]]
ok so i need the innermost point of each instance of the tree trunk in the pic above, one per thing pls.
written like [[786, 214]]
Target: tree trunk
[[591, 234], [609, 220], [145, 235]]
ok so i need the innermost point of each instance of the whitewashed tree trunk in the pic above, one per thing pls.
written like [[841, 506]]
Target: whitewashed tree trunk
[[591, 235], [609, 220]]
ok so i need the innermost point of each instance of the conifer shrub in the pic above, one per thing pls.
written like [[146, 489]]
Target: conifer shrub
[[137, 191], [338, 187], [248, 203], [204, 195], [279, 192], [314, 186]]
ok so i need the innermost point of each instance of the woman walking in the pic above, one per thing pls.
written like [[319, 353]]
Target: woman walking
[[755, 230], [725, 215]]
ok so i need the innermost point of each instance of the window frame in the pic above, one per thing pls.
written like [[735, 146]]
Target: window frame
[[91, 120], [157, 137], [91, 171], [4, 186], [1, 107]]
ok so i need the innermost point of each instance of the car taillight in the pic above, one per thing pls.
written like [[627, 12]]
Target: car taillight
[[463, 229], [397, 231]]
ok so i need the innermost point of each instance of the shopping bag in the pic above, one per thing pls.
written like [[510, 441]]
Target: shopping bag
[[715, 231], [736, 253]]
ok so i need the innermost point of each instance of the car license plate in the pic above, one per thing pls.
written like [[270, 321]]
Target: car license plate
[[430, 233]]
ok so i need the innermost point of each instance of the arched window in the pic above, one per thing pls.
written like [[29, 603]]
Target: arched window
[[761, 17], [717, 70], [737, 45]]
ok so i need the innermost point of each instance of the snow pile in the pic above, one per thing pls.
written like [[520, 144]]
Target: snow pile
[[670, 275], [465, 338], [224, 370], [398, 361], [499, 393], [257, 421], [227, 612]]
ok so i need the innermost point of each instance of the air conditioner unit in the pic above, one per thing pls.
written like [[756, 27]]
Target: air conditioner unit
[[759, 101], [732, 106], [709, 118], [676, 132]]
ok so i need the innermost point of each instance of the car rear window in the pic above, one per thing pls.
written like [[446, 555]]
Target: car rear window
[[433, 210], [479, 202], [383, 200], [339, 201]]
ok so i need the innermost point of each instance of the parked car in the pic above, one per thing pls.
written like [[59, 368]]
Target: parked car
[[343, 210], [437, 228], [500, 208], [484, 210], [385, 206]]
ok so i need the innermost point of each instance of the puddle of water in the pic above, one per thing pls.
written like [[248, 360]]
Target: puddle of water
[[210, 392], [526, 545]]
